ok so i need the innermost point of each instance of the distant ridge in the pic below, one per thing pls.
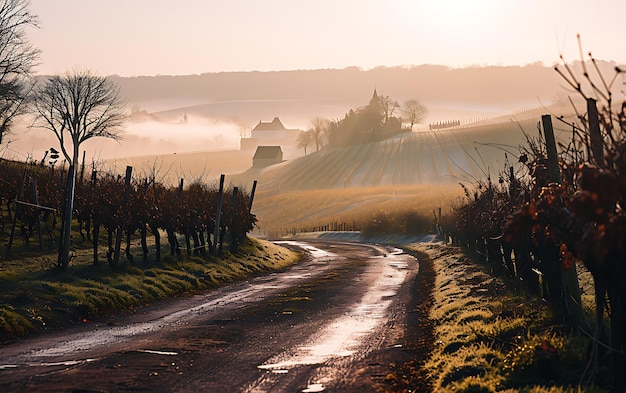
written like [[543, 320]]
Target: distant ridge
[[245, 97], [427, 82]]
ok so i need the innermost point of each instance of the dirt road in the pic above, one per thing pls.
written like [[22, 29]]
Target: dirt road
[[333, 323]]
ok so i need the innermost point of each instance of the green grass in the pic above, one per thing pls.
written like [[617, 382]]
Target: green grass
[[34, 299], [492, 339]]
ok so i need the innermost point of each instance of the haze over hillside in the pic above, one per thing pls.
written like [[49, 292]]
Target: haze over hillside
[[222, 107], [300, 95], [242, 99]]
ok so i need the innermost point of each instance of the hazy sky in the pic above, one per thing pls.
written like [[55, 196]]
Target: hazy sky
[[149, 37]]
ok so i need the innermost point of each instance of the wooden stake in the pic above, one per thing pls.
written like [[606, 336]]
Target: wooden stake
[[218, 213], [252, 196], [553, 158], [594, 134], [571, 286]]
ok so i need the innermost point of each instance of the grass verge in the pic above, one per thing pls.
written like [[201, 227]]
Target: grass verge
[[489, 338], [34, 297]]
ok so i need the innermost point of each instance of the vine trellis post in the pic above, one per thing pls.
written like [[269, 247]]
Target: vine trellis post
[[218, 213], [571, 286]]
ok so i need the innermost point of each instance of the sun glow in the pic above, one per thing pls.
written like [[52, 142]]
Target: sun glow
[[458, 15], [459, 29]]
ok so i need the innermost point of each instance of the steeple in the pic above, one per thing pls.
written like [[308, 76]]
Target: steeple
[[375, 101], [374, 96]]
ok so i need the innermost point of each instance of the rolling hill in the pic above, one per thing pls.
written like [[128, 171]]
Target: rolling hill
[[430, 157], [417, 171]]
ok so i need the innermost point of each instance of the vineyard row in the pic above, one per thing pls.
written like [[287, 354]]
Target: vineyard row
[[204, 215]]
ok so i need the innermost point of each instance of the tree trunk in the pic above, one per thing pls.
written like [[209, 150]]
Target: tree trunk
[[616, 290], [174, 246], [96, 234], [129, 254], [196, 242], [64, 249], [187, 241], [110, 249], [118, 236], [157, 241], [144, 243], [202, 243], [220, 248]]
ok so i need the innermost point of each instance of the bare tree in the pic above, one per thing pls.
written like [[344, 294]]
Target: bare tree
[[76, 107], [320, 126], [305, 138], [388, 106], [414, 112], [17, 57]]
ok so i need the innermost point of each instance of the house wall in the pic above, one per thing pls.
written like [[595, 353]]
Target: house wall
[[248, 144], [263, 162], [269, 135]]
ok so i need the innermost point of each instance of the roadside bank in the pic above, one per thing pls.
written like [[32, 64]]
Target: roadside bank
[[35, 298]]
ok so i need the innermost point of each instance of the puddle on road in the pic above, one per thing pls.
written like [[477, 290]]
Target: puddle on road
[[345, 336], [65, 363], [315, 252], [166, 353], [397, 251], [314, 387], [394, 252], [8, 366]]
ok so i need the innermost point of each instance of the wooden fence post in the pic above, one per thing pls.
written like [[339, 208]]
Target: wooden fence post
[[595, 135], [569, 275], [553, 158], [252, 196], [218, 213]]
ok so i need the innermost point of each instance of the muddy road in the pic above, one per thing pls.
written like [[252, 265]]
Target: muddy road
[[334, 323]]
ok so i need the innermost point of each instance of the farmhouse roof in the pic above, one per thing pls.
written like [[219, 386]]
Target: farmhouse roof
[[274, 125], [267, 152]]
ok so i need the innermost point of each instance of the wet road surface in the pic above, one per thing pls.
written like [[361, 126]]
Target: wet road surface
[[318, 326]]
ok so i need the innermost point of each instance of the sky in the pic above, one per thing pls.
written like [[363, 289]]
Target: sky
[[158, 37]]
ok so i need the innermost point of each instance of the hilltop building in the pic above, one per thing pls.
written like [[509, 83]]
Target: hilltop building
[[266, 156], [270, 133]]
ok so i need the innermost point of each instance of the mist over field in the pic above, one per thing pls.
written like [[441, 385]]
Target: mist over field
[[139, 139], [223, 107]]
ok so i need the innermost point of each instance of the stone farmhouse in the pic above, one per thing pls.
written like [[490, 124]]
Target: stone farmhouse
[[272, 133]]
